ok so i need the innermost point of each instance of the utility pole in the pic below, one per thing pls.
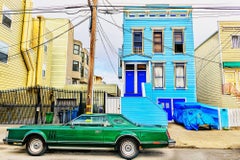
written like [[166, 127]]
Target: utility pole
[[89, 102]]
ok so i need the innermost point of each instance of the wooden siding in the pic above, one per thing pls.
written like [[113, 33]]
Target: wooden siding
[[209, 74], [13, 74], [226, 30], [59, 51], [168, 57]]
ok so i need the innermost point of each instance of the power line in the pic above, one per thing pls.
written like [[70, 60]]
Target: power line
[[105, 48], [202, 58], [49, 32], [218, 47], [119, 8], [109, 43], [59, 35]]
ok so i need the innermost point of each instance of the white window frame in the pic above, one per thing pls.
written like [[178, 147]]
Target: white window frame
[[4, 47], [236, 42], [6, 14], [159, 77], [180, 76]]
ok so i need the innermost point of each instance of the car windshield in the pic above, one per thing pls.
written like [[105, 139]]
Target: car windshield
[[89, 120]]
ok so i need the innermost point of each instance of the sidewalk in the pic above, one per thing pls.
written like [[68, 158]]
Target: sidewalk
[[222, 139]]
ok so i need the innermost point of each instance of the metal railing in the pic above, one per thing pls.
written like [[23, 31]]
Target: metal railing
[[32, 105]]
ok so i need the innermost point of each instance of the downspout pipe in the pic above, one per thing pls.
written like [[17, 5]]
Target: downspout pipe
[[38, 78], [25, 41]]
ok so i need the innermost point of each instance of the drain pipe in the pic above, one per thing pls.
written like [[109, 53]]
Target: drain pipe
[[25, 43]]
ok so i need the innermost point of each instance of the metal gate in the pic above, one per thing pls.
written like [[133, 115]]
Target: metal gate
[[113, 105]]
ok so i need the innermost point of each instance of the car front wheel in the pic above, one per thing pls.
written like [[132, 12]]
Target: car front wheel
[[36, 146], [128, 148]]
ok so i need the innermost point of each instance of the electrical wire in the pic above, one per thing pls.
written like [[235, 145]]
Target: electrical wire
[[49, 32], [109, 43], [202, 58], [57, 36], [106, 51]]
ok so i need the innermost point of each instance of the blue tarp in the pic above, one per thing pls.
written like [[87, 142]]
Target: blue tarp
[[191, 116]]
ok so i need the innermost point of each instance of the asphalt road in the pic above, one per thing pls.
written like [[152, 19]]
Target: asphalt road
[[18, 153]]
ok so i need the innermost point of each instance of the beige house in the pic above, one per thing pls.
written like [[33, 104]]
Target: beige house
[[218, 67]]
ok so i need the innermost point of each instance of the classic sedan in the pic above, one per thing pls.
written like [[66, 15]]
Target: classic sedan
[[91, 130]]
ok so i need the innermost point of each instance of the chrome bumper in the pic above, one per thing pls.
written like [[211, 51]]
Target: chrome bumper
[[171, 143], [5, 140]]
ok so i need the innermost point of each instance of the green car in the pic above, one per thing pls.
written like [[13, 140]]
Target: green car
[[91, 130]]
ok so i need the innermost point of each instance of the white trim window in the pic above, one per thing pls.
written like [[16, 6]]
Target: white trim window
[[76, 49], [180, 75], [6, 17], [158, 73], [178, 40], [157, 41], [3, 52], [235, 41], [137, 41]]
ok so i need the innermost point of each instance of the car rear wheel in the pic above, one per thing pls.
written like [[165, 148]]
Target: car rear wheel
[[36, 146], [128, 148]]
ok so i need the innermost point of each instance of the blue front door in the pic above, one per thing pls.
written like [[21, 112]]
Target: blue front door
[[141, 79], [176, 100], [167, 106], [129, 82]]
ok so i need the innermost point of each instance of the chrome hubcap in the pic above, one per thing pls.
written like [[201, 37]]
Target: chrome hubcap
[[128, 148], [36, 146]]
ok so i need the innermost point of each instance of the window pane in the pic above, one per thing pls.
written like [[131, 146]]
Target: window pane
[[180, 75], [141, 67], [236, 41], [157, 41], [6, 21], [75, 66], [158, 82], [158, 76], [180, 82], [178, 41], [76, 49], [137, 41], [3, 57], [3, 52], [129, 66], [158, 71], [179, 71], [178, 37]]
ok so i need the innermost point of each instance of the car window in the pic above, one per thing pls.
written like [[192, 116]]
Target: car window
[[90, 120], [121, 121]]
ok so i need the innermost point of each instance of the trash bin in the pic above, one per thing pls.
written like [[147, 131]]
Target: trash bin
[[74, 113], [49, 117], [71, 114], [62, 116]]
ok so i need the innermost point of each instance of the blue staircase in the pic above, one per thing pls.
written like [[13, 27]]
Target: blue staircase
[[143, 111]]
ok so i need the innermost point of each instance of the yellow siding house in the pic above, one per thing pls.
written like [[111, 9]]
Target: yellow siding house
[[218, 69], [62, 46], [15, 64]]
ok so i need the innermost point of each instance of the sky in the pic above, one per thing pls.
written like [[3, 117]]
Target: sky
[[106, 60]]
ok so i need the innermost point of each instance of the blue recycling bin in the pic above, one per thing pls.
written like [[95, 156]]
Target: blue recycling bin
[[71, 114]]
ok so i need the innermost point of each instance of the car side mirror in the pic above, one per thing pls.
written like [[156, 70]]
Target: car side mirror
[[72, 125], [107, 124]]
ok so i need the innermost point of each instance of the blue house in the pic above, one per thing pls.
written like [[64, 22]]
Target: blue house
[[157, 60]]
